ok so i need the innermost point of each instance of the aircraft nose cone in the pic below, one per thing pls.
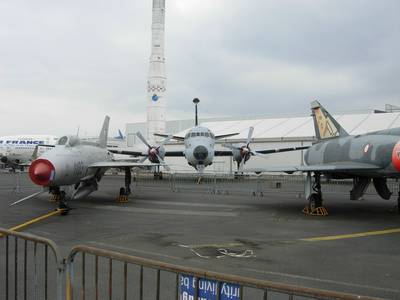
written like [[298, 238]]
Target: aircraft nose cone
[[41, 172], [200, 153]]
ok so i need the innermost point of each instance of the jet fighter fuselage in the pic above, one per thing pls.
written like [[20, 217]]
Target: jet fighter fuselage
[[377, 149]]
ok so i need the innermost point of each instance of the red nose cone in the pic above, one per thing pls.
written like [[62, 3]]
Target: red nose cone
[[41, 172], [396, 156]]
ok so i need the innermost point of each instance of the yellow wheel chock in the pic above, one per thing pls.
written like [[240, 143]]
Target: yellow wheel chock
[[122, 199], [318, 211], [55, 198]]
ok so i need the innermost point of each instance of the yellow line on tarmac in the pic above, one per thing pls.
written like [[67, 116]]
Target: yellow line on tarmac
[[350, 236], [41, 218]]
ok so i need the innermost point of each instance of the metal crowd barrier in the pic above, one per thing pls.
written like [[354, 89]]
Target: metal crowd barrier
[[255, 185], [35, 277], [162, 289], [105, 274]]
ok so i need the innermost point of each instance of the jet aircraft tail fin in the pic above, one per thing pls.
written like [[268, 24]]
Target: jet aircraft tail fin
[[104, 133], [325, 125]]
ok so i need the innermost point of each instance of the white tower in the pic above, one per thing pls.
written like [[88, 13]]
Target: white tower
[[156, 84]]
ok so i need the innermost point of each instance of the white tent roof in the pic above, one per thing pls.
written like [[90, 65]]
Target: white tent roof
[[301, 126]]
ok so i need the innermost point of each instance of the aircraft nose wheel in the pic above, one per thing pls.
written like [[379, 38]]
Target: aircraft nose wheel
[[62, 204]]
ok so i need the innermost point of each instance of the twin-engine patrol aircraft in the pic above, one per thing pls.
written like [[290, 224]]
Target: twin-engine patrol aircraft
[[373, 156], [17, 150], [199, 149], [77, 163]]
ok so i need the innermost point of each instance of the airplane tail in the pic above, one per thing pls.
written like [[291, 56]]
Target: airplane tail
[[104, 133], [120, 135], [325, 125]]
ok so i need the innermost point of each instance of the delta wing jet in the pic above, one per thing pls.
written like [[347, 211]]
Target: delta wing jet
[[199, 149], [373, 156], [78, 164]]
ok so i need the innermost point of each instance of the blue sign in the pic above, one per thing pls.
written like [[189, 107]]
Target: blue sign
[[207, 289], [154, 97]]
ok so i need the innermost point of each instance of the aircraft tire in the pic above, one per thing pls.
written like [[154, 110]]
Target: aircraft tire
[[315, 201], [122, 191]]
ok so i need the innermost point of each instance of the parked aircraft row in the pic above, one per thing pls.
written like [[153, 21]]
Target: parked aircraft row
[[336, 154]]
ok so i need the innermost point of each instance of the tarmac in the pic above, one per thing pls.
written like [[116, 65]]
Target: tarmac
[[355, 249]]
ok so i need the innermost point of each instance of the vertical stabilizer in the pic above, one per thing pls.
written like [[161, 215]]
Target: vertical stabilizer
[[325, 125], [104, 133]]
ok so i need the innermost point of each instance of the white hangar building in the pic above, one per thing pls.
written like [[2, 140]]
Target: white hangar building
[[269, 133]]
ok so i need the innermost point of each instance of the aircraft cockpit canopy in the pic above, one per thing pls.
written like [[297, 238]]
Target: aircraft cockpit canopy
[[205, 133], [68, 141]]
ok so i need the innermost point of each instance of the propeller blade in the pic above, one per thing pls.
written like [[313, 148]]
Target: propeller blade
[[249, 135], [140, 136], [28, 197], [162, 162], [241, 165], [264, 156], [142, 160]]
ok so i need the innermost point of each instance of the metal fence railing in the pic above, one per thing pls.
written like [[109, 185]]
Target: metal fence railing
[[114, 275], [27, 271], [256, 185]]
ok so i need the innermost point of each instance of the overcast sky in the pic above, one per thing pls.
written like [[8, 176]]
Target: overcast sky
[[67, 63]]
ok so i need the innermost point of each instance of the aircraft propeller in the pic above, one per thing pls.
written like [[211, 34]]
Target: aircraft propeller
[[242, 153], [154, 153]]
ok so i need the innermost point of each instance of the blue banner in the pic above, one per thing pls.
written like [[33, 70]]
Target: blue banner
[[207, 289]]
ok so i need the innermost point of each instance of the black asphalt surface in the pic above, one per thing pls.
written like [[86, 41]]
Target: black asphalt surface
[[187, 228]]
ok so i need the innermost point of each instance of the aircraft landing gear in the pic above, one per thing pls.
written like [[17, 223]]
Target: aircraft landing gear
[[55, 195], [398, 202], [62, 204], [124, 192], [314, 196], [158, 175]]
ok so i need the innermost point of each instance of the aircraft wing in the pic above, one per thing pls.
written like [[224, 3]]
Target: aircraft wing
[[126, 152], [222, 136], [175, 137], [174, 153], [339, 167], [324, 168], [120, 164], [269, 151], [223, 152]]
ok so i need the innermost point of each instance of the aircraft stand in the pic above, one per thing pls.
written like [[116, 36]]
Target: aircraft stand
[[314, 196]]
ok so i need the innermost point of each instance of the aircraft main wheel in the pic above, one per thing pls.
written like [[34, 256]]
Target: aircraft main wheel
[[160, 176], [122, 191], [62, 205], [315, 201]]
